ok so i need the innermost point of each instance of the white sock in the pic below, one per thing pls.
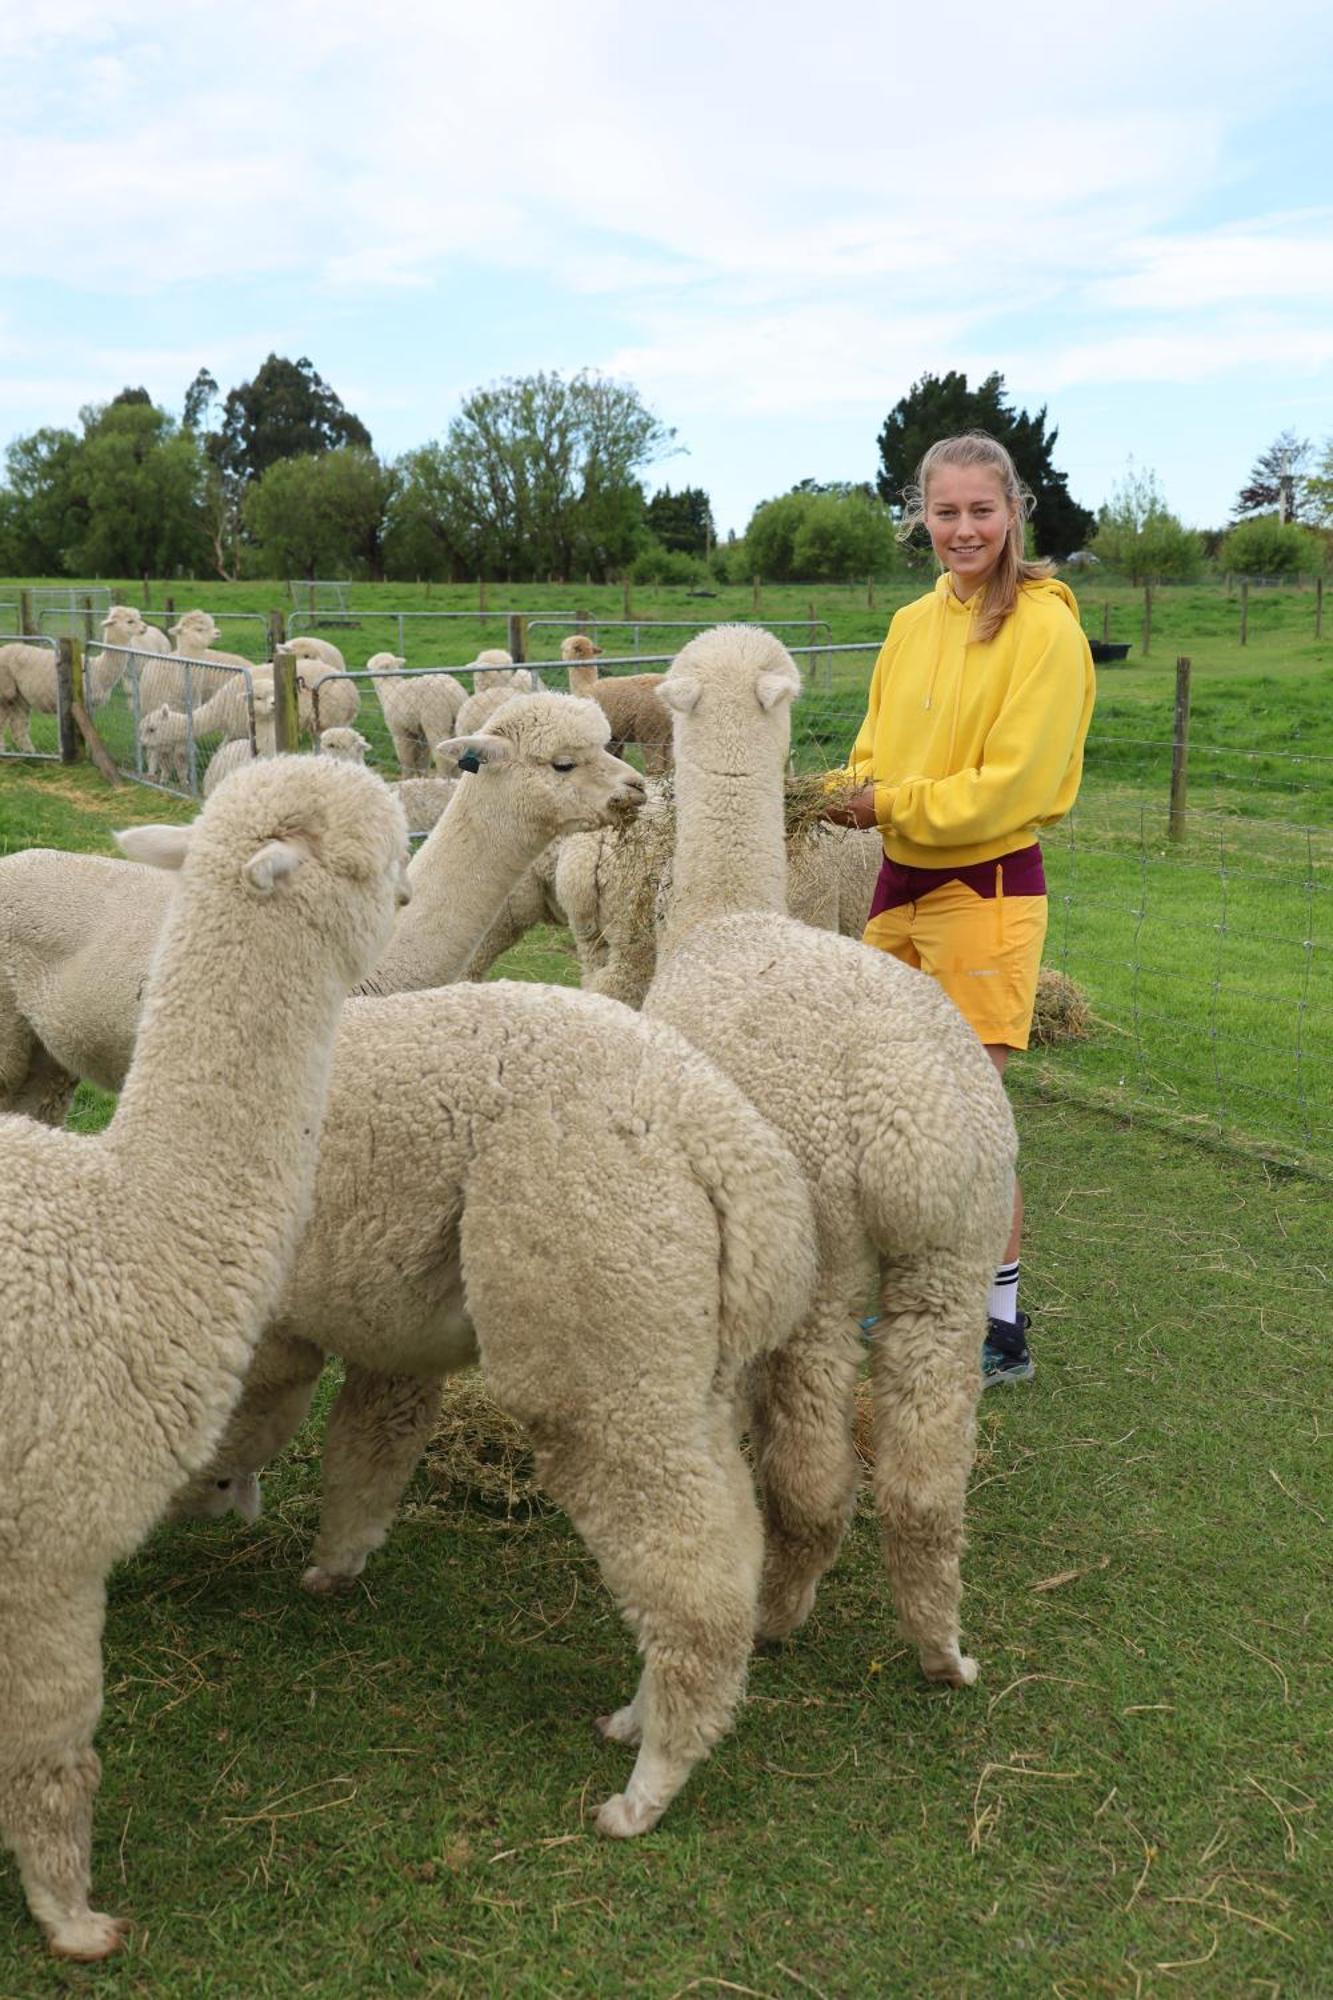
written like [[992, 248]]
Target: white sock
[[1004, 1294]]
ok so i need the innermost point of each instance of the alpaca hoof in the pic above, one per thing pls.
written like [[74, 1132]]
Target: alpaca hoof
[[326, 1582], [622, 1727], [87, 1938], [778, 1617], [953, 1669], [622, 1818]]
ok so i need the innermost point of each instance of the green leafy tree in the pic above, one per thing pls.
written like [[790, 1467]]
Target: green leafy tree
[[1265, 546], [821, 535], [1139, 536], [942, 405], [323, 515], [42, 509], [287, 411], [140, 481], [537, 476], [682, 521]]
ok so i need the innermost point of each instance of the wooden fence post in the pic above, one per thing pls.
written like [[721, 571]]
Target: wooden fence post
[[277, 632], [518, 636], [25, 613], [1244, 611], [1180, 749], [627, 608], [1147, 619], [754, 595], [581, 619], [69, 687], [1319, 607], [481, 593], [1106, 619], [286, 708], [870, 593], [87, 621], [169, 609]]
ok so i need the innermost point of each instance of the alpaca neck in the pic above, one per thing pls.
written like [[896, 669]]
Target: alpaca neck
[[582, 678], [218, 1121], [460, 876], [730, 846]]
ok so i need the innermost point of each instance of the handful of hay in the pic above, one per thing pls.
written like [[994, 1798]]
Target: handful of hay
[[1062, 1012], [806, 796], [477, 1452]]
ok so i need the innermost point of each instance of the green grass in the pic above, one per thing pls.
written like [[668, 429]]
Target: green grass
[[393, 1794]]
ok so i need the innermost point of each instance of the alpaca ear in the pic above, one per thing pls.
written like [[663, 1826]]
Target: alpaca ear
[[680, 695], [157, 846], [469, 753], [775, 686], [274, 860]]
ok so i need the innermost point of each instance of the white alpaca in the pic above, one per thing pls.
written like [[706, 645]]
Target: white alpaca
[[231, 755], [349, 743], [891, 1104], [419, 708], [423, 800], [327, 696], [167, 733], [490, 670], [125, 1328], [124, 628], [27, 682], [479, 707]]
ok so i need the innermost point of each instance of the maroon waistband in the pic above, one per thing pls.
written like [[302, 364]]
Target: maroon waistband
[[1019, 874]]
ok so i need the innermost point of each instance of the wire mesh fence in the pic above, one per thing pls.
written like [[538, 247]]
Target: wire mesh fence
[[163, 719]]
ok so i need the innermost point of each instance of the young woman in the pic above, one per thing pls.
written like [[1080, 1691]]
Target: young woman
[[973, 741]]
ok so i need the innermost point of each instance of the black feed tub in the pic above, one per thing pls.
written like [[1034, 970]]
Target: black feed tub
[[1103, 651]]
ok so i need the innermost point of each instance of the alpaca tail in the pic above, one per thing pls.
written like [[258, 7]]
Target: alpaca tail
[[766, 1228]]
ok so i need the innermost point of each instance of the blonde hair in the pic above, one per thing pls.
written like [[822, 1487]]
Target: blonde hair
[[975, 448]]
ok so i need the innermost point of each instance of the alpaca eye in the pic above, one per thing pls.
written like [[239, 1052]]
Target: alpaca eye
[[562, 763]]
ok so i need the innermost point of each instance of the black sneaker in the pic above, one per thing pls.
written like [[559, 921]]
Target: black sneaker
[[1004, 1354]]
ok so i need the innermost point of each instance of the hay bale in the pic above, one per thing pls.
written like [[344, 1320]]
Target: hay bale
[[478, 1453], [1062, 1013]]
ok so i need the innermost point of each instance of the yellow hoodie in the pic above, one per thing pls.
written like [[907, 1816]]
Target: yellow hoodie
[[973, 748]]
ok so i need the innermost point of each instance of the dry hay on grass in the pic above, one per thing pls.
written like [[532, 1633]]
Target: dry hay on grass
[[479, 1453], [1062, 1012]]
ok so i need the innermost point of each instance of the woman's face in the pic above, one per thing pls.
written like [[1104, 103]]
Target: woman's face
[[967, 518]]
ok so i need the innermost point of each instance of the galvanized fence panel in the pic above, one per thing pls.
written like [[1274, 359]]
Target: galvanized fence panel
[[584, 622], [163, 717], [378, 625], [31, 699]]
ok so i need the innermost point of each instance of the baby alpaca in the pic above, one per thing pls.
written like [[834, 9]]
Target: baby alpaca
[[489, 670], [125, 1328]]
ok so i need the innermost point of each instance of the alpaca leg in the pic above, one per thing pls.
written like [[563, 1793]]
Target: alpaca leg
[[926, 1379], [675, 1531], [378, 1429], [803, 1400], [50, 1697], [276, 1395], [31, 1080]]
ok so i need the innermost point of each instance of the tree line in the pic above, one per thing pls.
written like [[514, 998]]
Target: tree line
[[544, 476]]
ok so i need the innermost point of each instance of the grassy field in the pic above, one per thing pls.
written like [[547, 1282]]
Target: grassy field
[[393, 1794]]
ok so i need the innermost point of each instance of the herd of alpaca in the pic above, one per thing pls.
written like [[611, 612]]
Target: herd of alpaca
[[744, 1163]]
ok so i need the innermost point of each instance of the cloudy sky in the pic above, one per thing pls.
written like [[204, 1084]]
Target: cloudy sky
[[771, 221]]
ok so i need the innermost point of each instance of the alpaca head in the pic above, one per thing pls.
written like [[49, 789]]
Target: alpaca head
[[578, 646], [348, 743], [730, 692], [195, 629], [323, 841], [543, 761], [385, 663], [158, 726], [121, 623]]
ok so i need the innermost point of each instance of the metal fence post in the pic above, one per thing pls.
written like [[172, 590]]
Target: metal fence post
[[1180, 749], [402, 644]]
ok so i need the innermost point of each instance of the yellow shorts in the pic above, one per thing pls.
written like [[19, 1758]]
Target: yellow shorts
[[985, 951]]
